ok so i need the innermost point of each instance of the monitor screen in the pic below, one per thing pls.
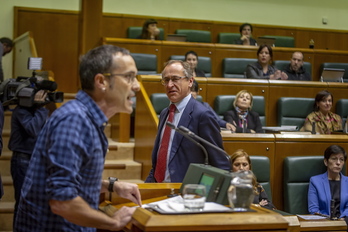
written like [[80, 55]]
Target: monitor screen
[[207, 180]]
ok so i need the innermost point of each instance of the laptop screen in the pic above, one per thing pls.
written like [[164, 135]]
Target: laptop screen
[[332, 75]]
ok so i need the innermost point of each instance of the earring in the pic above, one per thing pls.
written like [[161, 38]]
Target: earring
[[103, 89]]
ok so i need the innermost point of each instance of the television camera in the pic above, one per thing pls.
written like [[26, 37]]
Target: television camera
[[21, 91]]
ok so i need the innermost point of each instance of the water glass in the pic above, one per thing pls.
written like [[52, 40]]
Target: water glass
[[194, 196]]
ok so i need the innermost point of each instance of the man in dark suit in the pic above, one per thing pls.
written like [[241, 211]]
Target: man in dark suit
[[171, 159]]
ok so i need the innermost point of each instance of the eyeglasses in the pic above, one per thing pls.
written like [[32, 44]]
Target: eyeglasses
[[174, 79], [130, 77]]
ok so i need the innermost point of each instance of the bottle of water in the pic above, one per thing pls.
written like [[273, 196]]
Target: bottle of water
[[240, 192]]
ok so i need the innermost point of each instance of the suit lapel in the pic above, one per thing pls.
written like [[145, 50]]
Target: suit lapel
[[327, 191], [185, 121]]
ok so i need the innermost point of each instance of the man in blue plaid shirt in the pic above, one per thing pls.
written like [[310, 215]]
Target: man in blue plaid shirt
[[64, 179]]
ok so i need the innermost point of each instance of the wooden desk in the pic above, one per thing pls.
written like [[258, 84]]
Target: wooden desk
[[217, 52], [261, 220]]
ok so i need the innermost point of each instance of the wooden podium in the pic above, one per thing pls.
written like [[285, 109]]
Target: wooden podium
[[261, 220]]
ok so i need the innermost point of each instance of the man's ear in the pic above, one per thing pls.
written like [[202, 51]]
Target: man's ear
[[100, 81]]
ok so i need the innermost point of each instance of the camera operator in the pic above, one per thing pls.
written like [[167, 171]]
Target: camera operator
[[26, 124]]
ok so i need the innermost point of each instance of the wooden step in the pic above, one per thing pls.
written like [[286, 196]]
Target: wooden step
[[122, 169], [6, 216], [8, 189], [5, 163]]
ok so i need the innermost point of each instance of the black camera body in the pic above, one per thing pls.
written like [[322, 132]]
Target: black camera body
[[21, 91]]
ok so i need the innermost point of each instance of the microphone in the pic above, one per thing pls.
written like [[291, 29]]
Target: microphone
[[172, 126], [332, 210], [313, 128], [184, 130]]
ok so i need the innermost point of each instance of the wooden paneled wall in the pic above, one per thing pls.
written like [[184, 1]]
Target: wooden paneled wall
[[56, 37]]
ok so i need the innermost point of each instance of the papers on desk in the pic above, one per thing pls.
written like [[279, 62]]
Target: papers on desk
[[175, 205], [311, 217]]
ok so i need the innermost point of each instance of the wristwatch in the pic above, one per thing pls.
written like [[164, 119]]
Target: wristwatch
[[111, 183]]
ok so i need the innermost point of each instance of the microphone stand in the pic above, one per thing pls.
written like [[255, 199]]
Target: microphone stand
[[172, 126], [196, 137]]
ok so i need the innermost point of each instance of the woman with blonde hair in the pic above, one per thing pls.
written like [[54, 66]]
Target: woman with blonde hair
[[241, 116], [241, 162]]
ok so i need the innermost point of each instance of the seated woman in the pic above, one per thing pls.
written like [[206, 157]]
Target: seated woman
[[243, 119], [222, 123], [263, 69], [330, 186], [150, 30], [192, 58], [246, 38], [325, 121], [241, 161]]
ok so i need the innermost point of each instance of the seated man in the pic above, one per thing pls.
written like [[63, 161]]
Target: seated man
[[222, 123], [295, 69]]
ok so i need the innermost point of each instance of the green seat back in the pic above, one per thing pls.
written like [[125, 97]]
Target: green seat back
[[146, 63], [228, 38], [260, 165], [336, 65], [342, 109], [195, 35], [281, 64], [235, 67], [297, 172], [135, 32], [224, 103], [292, 111], [282, 41], [204, 63], [159, 102]]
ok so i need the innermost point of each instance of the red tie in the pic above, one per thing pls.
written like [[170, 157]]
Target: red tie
[[161, 165]]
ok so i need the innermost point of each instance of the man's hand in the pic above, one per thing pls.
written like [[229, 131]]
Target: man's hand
[[129, 191], [40, 96], [230, 127], [123, 216]]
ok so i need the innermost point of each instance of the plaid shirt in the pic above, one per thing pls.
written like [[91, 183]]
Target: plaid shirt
[[68, 161]]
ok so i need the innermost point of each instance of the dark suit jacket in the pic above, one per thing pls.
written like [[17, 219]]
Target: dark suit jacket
[[201, 121], [253, 120], [319, 195]]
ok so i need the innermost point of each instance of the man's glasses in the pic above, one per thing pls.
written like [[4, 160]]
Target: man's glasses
[[130, 77], [174, 79]]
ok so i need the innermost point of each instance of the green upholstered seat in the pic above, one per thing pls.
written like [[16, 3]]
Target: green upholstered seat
[[235, 67], [292, 111], [260, 165], [159, 101], [146, 63], [282, 41], [281, 64], [204, 63], [135, 32], [338, 66], [342, 109], [195, 35], [297, 172], [228, 38], [224, 103]]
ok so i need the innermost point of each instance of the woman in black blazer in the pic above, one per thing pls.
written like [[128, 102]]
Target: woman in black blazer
[[244, 120]]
